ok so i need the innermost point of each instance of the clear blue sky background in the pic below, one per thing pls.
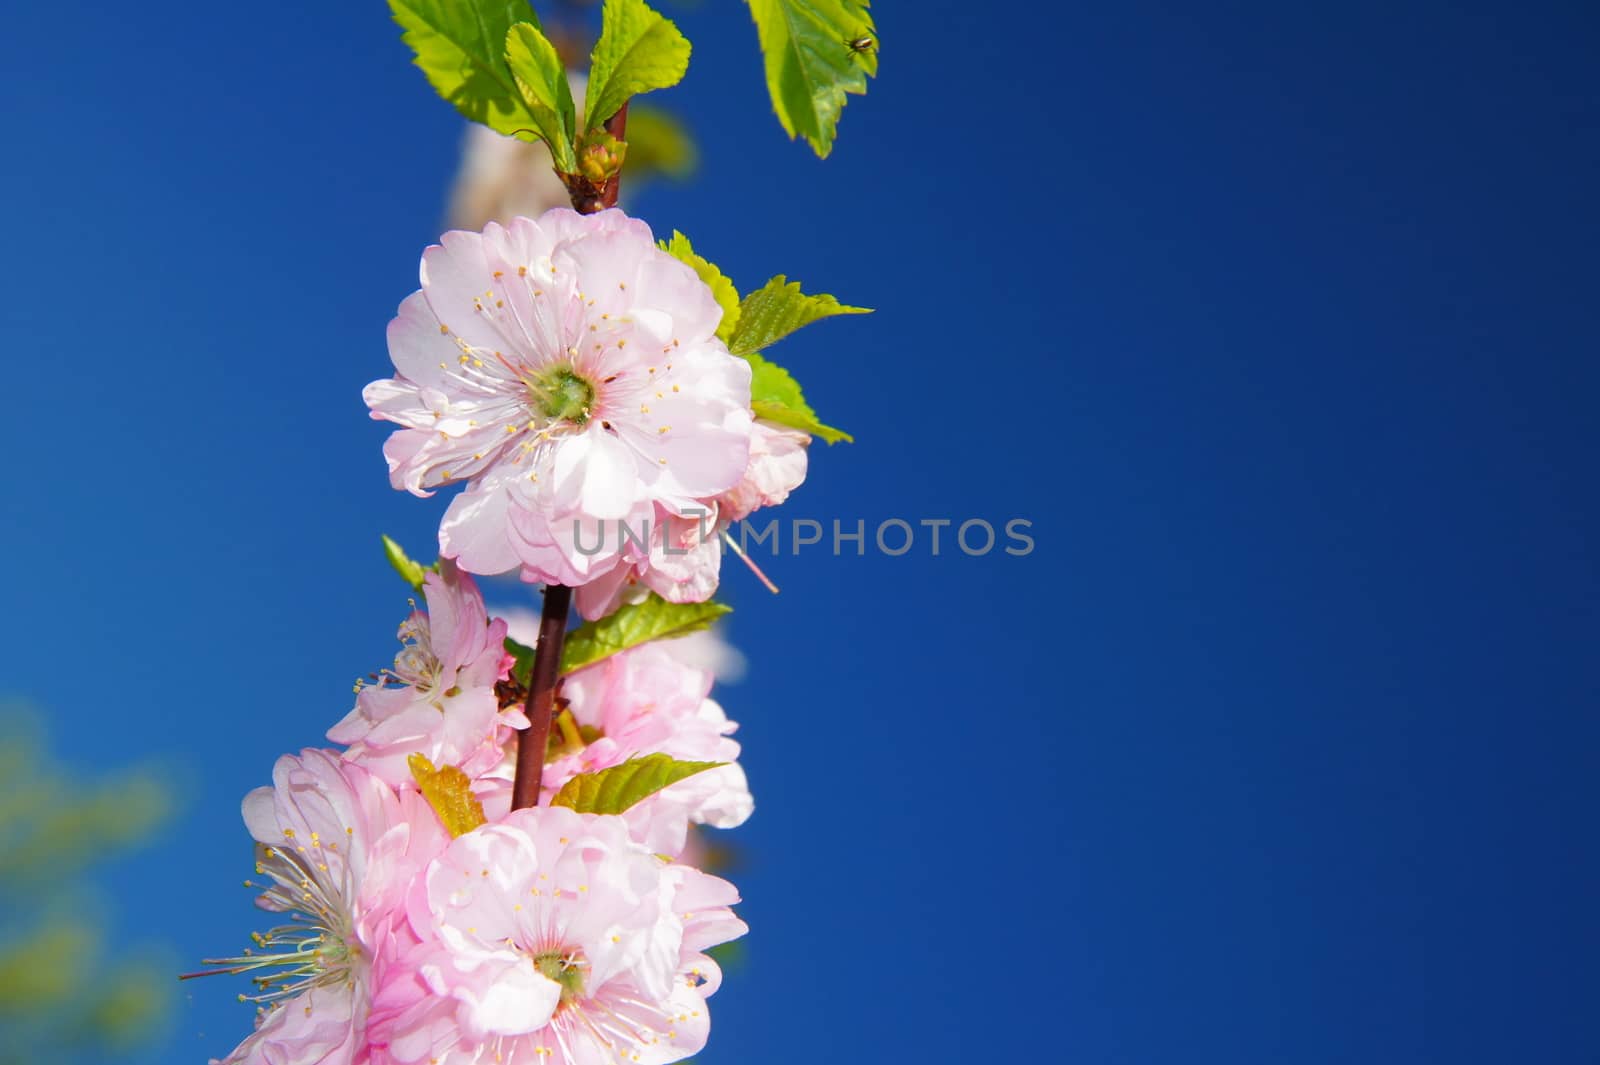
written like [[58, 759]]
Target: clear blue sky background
[[1279, 322]]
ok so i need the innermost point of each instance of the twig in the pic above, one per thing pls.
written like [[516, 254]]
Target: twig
[[534, 741]]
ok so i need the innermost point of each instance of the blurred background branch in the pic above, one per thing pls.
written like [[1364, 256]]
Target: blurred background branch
[[69, 990]]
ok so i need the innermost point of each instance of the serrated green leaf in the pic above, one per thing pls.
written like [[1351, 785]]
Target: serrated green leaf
[[449, 791], [461, 49], [413, 572], [650, 619], [726, 295], [611, 791], [542, 82], [777, 309], [638, 51], [776, 396], [659, 143], [811, 64]]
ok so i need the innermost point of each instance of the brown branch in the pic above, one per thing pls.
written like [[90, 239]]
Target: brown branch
[[534, 741]]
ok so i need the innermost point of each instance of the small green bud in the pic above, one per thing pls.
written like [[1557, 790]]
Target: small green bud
[[413, 572], [600, 156]]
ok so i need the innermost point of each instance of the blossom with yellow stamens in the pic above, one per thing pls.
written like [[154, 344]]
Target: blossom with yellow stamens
[[552, 938], [568, 372]]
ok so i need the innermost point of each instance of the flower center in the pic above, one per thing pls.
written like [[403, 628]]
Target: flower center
[[416, 664], [566, 969], [561, 395]]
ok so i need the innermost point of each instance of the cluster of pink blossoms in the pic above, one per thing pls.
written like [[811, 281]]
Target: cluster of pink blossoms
[[567, 372]]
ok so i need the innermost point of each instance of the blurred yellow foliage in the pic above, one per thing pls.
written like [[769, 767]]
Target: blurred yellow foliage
[[64, 996]]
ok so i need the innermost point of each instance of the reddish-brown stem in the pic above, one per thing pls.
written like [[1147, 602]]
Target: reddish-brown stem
[[617, 126], [534, 741]]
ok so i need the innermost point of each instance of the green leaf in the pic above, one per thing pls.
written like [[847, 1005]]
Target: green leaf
[[461, 48], [611, 791], [449, 791], [413, 572], [650, 619], [811, 64], [522, 667], [658, 143], [776, 396], [542, 82], [777, 309], [638, 51], [726, 295]]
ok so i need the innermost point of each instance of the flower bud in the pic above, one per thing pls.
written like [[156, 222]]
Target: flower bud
[[600, 156]]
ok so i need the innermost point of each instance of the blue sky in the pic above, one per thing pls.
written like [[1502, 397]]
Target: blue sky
[[1279, 324]]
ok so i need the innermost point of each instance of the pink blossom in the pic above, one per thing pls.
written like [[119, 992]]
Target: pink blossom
[[777, 467], [551, 938], [439, 700], [682, 564], [637, 702], [338, 848], [567, 370], [684, 559]]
